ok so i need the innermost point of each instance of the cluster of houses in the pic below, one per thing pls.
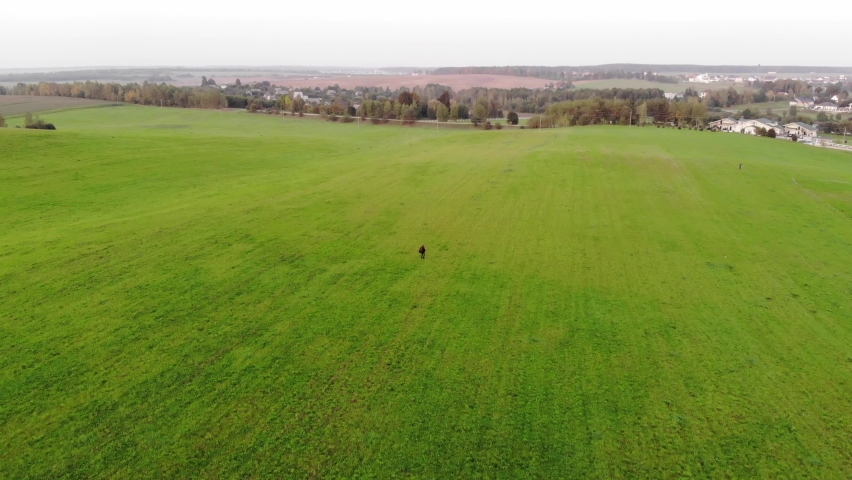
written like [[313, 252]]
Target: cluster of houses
[[708, 78], [810, 104], [802, 131], [315, 98]]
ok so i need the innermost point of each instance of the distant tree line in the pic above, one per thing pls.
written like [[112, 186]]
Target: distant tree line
[[525, 100], [129, 74], [380, 104], [730, 96], [142, 94], [552, 73], [563, 74], [621, 73], [125, 74]]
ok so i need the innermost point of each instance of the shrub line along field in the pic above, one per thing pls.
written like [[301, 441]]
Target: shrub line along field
[[195, 294], [15, 105]]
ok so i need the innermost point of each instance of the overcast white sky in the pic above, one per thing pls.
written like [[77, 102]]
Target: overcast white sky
[[383, 33]]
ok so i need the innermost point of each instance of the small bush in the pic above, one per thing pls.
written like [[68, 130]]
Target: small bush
[[301, 114], [347, 119], [523, 127], [499, 126], [40, 125], [487, 125]]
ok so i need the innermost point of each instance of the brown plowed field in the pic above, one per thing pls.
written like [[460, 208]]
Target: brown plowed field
[[457, 82]]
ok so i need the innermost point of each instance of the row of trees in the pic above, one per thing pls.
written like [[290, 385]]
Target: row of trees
[[143, 94], [396, 109], [525, 100], [837, 127], [476, 104], [596, 111]]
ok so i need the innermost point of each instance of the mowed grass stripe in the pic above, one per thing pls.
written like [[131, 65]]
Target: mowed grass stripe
[[196, 294]]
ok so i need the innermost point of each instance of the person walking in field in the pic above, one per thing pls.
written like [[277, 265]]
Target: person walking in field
[[422, 251], [741, 166]]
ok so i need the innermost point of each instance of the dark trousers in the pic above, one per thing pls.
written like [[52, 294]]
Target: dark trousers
[[422, 254]]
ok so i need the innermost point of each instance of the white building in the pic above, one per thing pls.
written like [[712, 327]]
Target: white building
[[801, 102], [801, 130], [750, 126], [825, 107], [703, 78], [723, 125]]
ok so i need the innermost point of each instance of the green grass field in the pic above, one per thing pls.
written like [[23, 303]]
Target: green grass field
[[780, 108], [837, 138], [195, 294]]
